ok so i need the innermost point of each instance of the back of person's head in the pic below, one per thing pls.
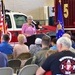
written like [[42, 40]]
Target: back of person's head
[[68, 32], [64, 42], [5, 37], [21, 38], [54, 40], [49, 52], [38, 41], [66, 35], [46, 40]]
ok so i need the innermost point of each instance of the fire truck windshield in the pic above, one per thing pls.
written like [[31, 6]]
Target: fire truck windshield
[[20, 20]]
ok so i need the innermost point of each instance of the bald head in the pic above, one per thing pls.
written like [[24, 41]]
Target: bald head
[[66, 35]]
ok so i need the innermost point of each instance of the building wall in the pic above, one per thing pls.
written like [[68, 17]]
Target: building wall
[[29, 7]]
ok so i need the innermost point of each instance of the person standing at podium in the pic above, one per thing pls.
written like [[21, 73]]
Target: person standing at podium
[[28, 29]]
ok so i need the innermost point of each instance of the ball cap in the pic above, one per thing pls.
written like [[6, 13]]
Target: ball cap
[[38, 41]]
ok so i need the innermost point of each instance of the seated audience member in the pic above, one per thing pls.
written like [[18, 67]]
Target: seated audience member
[[67, 35], [35, 47], [3, 60], [39, 57], [62, 62], [5, 47], [53, 43], [73, 42], [49, 52], [20, 47]]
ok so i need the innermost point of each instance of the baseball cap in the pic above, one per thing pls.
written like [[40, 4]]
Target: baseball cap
[[38, 41]]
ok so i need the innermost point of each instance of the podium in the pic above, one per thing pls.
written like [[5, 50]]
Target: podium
[[31, 40]]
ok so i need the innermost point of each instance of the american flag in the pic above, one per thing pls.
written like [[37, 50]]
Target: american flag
[[1, 22], [2, 17]]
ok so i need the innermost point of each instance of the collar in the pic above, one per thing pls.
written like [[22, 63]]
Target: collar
[[5, 42], [54, 45], [46, 48]]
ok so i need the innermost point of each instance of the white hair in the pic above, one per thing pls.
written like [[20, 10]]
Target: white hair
[[29, 17], [65, 41], [38, 41]]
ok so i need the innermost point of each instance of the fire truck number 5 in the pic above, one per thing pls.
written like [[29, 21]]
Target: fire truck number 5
[[66, 13]]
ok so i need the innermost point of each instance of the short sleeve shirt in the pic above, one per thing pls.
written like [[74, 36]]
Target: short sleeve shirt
[[61, 63], [6, 48], [3, 60], [53, 48], [39, 57], [28, 29], [34, 48]]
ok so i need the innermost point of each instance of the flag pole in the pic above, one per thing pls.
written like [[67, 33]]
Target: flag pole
[[3, 12], [60, 1]]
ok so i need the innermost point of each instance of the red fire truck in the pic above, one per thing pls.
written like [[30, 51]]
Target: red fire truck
[[68, 9]]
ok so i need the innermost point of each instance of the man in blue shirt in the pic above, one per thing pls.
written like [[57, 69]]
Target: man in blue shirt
[[3, 60], [4, 46]]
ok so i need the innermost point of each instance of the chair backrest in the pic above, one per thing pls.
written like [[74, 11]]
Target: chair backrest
[[6, 71], [28, 70], [24, 56], [28, 62], [15, 64], [48, 73], [10, 56]]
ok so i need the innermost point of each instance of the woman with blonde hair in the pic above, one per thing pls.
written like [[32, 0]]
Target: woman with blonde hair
[[20, 47]]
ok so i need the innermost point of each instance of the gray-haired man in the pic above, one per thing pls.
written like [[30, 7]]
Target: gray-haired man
[[61, 63]]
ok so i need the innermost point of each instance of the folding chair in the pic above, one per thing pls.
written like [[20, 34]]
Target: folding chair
[[15, 64], [24, 56], [10, 56], [28, 62], [6, 71], [28, 70]]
